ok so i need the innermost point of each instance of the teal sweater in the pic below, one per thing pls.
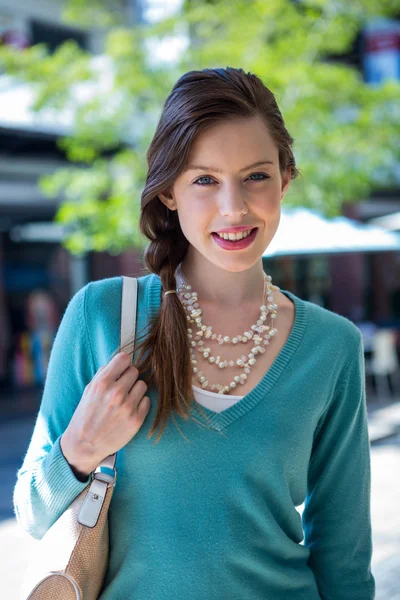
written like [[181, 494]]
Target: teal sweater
[[214, 516]]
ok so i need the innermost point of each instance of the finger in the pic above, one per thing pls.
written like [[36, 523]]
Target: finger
[[137, 392], [143, 406], [117, 365], [129, 378]]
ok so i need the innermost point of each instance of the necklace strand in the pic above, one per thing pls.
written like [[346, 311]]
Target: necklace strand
[[259, 333]]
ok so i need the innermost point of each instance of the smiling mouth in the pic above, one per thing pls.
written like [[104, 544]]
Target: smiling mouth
[[250, 231], [241, 244]]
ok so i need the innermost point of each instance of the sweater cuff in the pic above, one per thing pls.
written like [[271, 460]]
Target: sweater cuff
[[57, 484]]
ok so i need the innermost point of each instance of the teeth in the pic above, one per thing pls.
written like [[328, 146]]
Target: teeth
[[234, 236]]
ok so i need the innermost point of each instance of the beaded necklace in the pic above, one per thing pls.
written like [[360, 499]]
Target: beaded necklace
[[259, 333]]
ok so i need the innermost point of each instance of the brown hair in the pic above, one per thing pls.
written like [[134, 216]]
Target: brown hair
[[198, 100]]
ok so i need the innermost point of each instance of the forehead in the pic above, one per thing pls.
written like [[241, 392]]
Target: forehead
[[247, 139]]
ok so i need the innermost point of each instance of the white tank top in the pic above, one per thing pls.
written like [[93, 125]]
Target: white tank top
[[213, 400]]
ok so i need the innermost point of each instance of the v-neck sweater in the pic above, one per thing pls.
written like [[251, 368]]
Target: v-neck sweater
[[210, 512]]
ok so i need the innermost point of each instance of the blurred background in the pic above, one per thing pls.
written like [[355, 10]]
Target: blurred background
[[82, 84]]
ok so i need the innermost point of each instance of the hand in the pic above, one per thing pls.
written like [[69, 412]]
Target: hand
[[110, 413]]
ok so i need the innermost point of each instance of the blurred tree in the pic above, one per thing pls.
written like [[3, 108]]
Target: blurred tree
[[345, 134]]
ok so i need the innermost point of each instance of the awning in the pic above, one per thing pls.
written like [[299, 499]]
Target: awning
[[390, 222], [305, 231]]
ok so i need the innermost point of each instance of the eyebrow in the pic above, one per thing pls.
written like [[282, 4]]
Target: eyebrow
[[202, 168]]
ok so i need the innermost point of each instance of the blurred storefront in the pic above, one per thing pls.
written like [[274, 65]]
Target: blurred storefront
[[341, 264], [359, 286], [38, 279], [38, 274]]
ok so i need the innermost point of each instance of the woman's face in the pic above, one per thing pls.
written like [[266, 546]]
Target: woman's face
[[228, 191]]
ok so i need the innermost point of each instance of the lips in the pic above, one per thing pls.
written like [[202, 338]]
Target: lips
[[235, 245]]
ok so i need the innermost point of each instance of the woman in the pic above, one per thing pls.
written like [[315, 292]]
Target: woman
[[265, 390]]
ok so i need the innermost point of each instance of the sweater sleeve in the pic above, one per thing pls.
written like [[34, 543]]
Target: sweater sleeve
[[45, 484], [336, 517]]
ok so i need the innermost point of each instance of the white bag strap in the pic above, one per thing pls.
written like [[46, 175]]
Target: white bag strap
[[94, 500], [128, 309], [127, 332]]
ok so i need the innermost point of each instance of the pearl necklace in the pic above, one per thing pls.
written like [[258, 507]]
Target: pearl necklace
[[190, 303]]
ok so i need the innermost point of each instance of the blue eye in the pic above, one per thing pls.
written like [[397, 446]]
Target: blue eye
[[203, 177], [263, 175]]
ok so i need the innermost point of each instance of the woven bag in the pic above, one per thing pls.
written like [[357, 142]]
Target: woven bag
[[70, 561]]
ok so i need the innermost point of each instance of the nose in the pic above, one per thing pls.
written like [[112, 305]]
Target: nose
[[232, 202]]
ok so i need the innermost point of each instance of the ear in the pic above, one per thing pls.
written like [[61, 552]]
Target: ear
[[167, 199], [285, 181]]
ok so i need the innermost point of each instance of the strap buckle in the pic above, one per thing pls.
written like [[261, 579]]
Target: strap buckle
[[105, 477]]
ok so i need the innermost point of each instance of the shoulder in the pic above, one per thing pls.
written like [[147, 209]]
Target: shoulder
[[103, 294], [336, 324], [102, 306], [333, 345], [326, 328], [102, 286]]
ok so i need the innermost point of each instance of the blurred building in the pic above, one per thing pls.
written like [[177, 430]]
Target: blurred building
[[24, 24], [39, 276], [363, 286]]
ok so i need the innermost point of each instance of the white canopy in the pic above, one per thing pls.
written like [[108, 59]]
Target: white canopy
[[391, 222], [305, 231]]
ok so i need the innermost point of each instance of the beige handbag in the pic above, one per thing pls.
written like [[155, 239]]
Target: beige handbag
[[70, 561]]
